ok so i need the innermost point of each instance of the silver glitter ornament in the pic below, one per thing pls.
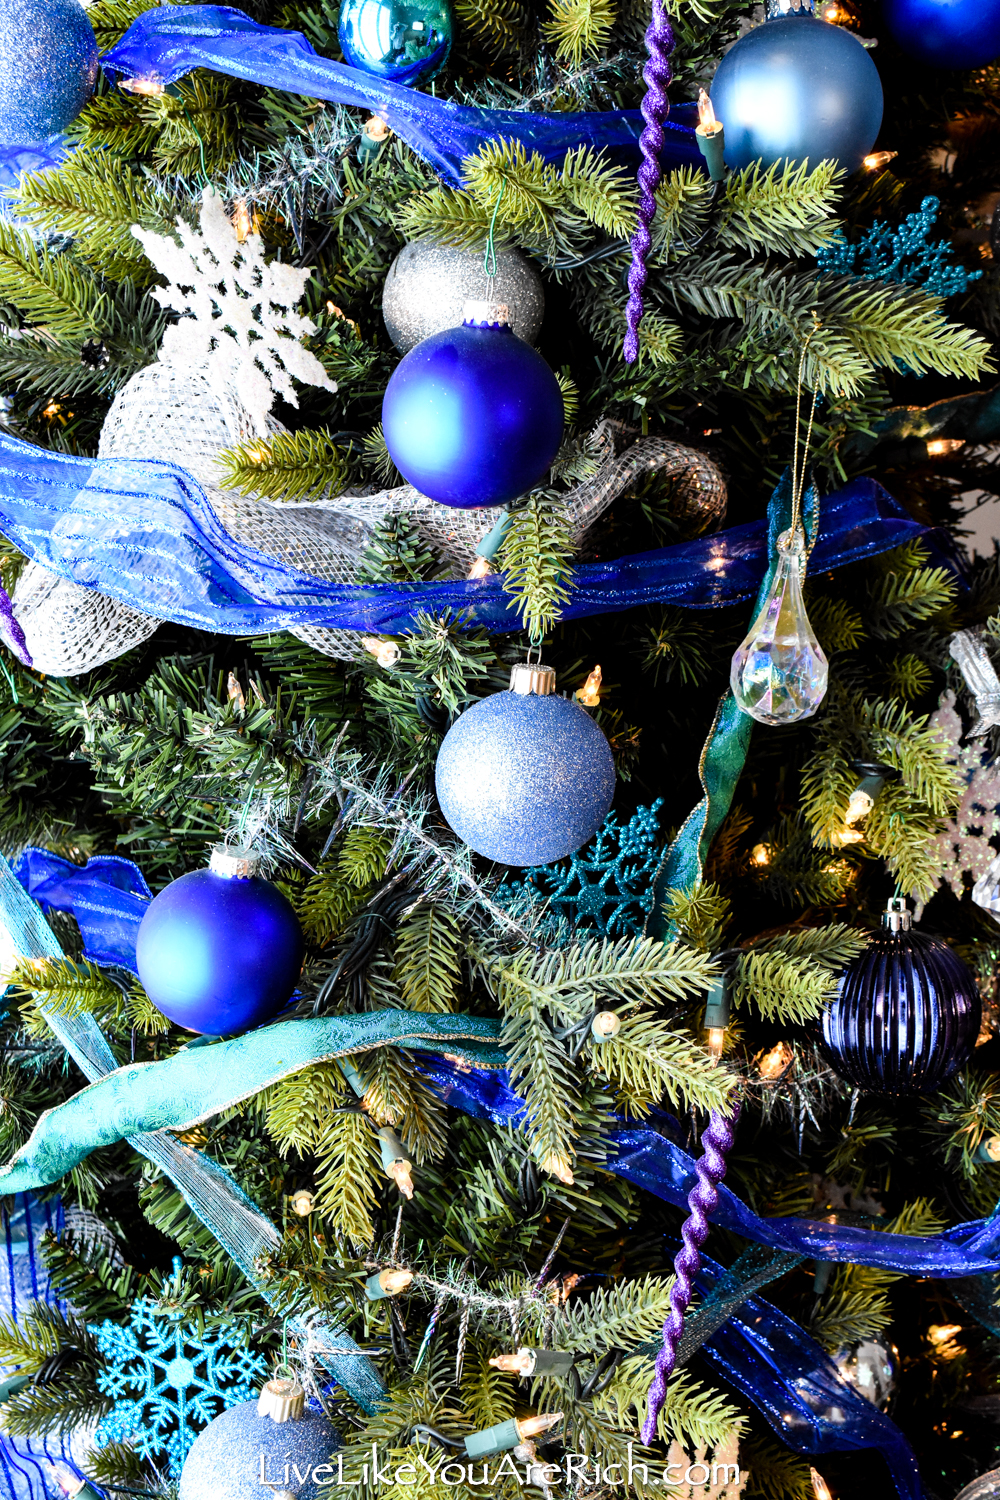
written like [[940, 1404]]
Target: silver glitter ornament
[[869, 1367], [428, 285], [48, 68]]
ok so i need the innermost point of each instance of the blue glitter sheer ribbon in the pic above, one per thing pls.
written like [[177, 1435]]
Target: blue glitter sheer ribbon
[[165, 43], [108, 897], [143, 532], [790, 1379], [25, 1472], [18, 161]]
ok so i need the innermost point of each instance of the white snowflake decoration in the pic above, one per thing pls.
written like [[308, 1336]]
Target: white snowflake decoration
[[236, 319], [964, 844]]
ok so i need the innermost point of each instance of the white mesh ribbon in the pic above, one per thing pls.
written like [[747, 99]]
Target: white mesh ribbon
[[165, 412]]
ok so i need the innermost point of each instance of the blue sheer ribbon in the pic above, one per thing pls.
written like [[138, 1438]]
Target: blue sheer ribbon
[[790, 1379], [18, 161], [165, 43], [143, 532]]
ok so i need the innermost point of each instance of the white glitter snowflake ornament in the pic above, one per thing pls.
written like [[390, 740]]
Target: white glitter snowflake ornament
[[236, 321], [963, 847], [168, 1380]]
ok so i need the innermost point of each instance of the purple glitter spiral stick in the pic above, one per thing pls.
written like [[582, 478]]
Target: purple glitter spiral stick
[[711, 1168], [18, 643], [655, 108]]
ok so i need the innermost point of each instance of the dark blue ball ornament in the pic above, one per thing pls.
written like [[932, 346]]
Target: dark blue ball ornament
[[228, 1459], [907, 1012], [473, 416], [48, 68], [795, 88], [946, 33], [405, 40], [525, 777], [220, 950]]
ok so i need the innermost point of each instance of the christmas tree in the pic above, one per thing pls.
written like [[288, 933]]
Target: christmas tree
[[406, 1105]]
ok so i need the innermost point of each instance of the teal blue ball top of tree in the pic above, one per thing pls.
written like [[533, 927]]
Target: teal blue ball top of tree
[[227, 1460], [48, 68], [525, 777], [797, 88], [219, 951], [407, 41]]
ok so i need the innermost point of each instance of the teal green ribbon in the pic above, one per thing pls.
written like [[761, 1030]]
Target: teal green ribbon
[[725, 751], [198, 1083]]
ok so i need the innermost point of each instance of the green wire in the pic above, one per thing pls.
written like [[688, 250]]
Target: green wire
[[201, 143], [490, 258]]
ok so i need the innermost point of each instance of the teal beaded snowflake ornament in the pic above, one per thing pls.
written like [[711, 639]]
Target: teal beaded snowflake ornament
[[168, 1379], [904, 254], [608, 884]]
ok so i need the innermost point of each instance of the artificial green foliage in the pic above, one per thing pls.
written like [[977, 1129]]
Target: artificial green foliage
[[579, 26], [287, 466], [536, 562]]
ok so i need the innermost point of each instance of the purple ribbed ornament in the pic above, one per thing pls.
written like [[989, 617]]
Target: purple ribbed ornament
[[655, 108], [907, 1012], [710, 1168]]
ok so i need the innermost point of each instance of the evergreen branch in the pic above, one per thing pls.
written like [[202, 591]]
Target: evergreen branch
[[536, 562], [784, 209], [569, 981], [500, 23], [303, 465], [298, 1109], [579, 26], [428, 957], [349, 1174], [647, 1060], [786, 988], [47, 288], [600, 191], [541, 1072]]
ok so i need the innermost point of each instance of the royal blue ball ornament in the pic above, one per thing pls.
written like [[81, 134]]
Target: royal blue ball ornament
[[907, 1012], [48, 68], [220, 950], [407, 41], [473, 416], [276, 1439], [525, 777], [797, 88], [946, 33]]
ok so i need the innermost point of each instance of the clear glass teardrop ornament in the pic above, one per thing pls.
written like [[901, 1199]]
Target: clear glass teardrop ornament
[[779, 673]]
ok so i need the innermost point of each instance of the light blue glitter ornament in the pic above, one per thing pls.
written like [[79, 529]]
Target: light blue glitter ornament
[[167, 1380], [246, 1454], [525, 777], [48, 67]]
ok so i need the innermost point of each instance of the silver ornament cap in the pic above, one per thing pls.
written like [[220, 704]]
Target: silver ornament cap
[[482, 314], [532, 677], [236, 863], [896, 918], [282, 1399]]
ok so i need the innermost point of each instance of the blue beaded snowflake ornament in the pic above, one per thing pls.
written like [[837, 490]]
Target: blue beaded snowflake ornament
[[904, 255], [168, 1380], [606, 885]]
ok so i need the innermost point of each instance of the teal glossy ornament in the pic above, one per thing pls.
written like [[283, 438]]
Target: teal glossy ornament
[[407, 41]]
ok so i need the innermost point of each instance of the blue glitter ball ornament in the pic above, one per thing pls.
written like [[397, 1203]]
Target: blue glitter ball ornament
[[907, 1012], [795, 88], [244, 1446], [220, 950], [473, 416], [946, 33], [48, 68], [405, 40], [525, 777]]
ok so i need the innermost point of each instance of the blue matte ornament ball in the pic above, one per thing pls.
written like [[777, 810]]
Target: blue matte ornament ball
[[798, 88], [219, 954], [525, 779], [48, 68], [407, 41], [224, 1462], [906, 1016], [473, 416], [946, 33]]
